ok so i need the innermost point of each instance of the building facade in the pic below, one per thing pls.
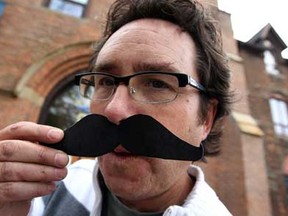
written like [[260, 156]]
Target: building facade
[[267, 81], [43, 43]]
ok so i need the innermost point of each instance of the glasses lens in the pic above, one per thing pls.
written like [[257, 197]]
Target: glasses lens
[[154, 88], [97, 86]]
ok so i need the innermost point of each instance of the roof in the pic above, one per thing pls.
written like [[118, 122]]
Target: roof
[[267, 33]]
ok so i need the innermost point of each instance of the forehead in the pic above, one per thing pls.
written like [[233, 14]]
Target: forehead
[[149, 42]]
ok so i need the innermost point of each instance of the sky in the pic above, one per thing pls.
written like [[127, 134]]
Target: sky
[[248, 17]]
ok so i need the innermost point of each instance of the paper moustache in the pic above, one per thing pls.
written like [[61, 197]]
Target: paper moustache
[[95, 135]]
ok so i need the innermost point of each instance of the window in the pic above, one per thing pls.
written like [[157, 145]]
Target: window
[[70, 7], [66, 107], [2, 6], [270, 63], [279, 114]]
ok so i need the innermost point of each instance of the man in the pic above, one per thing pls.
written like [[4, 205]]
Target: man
[[165, 38]]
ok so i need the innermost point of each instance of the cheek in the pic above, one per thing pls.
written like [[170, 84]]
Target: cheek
[[181, 119], [168, 173], [92, 106], [97, 107]]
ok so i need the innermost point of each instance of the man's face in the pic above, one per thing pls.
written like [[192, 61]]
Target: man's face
[[150, 45]]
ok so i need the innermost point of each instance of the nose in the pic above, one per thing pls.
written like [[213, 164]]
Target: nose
[[120, 106]]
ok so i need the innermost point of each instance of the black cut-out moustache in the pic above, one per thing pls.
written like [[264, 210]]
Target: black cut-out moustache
[[95, 135]]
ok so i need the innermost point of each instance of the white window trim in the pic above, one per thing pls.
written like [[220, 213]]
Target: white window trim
[[279, 113], [270, 63], [81, 3]]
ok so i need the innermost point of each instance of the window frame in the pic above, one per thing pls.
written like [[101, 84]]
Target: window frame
[[84, 6], [270, 64], [280, 123], [2, 7]]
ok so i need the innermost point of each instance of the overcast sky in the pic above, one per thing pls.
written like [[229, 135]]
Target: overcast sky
[[249, 16]]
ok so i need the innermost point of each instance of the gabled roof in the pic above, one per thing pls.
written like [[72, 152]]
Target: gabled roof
[[267, 33]]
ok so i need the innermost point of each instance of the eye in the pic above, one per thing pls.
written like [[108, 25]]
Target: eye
[[105, 81], [154, 83]]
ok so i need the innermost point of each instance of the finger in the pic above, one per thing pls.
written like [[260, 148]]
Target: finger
[[15, 208], [23, 151], [12, 172], [32, 132], [20, 191]]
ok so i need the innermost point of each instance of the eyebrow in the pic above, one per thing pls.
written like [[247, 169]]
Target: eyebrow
[[141, 66], [155, 66], [105, 67]]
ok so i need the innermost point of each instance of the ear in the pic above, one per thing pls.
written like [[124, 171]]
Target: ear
[[209, 121]]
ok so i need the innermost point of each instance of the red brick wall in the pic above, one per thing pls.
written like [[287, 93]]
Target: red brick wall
[[43, 47], [225, 173]]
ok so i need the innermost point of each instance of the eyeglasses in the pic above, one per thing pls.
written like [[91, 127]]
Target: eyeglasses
[[147, 87]]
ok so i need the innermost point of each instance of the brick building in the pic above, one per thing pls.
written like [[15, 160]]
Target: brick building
[[267, 81], [44, 42]]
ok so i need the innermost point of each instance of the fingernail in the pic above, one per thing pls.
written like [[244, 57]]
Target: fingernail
[[55, 134], [60, 173], [61, 159]]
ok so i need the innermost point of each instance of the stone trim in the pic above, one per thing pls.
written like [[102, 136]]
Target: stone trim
[[32, 96], [247, 124], [34, 68], [234, 57]]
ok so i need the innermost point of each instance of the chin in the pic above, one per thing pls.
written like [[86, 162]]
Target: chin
[[126, 176]]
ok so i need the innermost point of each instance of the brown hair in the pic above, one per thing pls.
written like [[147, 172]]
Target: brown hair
[[211, 64]]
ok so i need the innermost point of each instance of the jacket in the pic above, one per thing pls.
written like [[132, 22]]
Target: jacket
[[80, 194]]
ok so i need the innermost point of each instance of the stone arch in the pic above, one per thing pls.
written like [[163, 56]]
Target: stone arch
[[54, 69]]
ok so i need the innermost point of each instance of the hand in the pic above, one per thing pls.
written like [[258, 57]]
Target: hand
[[27, 169]]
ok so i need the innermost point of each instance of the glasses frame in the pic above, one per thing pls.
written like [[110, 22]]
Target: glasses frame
[[183, 79]]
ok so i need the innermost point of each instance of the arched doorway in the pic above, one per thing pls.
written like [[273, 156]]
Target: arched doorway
[[64, 106], [51, 76], [50, 81]]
